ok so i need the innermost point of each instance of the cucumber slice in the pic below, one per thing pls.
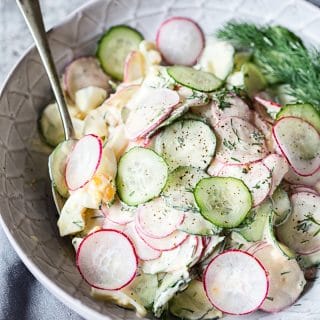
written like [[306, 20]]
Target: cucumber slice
[[304, 111], [186, 143], [193, 304], [170, 285], [269, 236], [194, 223], [57, 166], [223, 201], [281, 206], [114, 46], [142, 174], [178, 192], [194, 79], [253, 79], [255, 223]]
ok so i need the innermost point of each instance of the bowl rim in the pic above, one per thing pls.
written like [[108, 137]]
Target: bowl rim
[[69, 301]]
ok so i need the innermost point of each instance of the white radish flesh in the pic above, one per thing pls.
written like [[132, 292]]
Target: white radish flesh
[[144, 251], [82, 73], [313, 180], [107, 260], [215, 167], [179, 258], [256, 176], [301, 231], [120, 213], [157, 220], [236, 108], [180, 41], [134, 66], [299, 142], [149, 108], [239, 142], [83, 162], [278, 165], [236, 282], [164, 244]]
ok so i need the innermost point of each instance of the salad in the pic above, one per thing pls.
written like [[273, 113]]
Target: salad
[[193, 187]]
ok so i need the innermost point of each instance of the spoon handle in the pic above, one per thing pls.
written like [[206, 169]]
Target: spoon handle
[[32, 14]]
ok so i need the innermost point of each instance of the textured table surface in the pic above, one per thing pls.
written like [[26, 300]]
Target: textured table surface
[[23, 297]]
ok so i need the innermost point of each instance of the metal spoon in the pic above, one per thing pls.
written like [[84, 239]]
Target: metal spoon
[[32, 14]]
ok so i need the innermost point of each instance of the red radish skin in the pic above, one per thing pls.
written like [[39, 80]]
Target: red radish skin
[[268, 104], [265, 294], [185, 57], [259, 188], [158, 221], [144, 251], [84, 72], [133, 67], [302, 188], [115, 214], [132, 255], [164, 244], [157, 104], [71, 186], [284, 153]]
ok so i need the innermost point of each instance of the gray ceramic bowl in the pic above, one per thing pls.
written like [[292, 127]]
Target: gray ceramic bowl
[[28, 215]]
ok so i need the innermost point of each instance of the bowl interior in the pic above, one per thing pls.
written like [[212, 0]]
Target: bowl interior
[[27, 210]]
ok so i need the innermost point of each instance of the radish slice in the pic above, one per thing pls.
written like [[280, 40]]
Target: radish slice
[[83, 161], [312, 180], [271, 107], [177, 259], [299, 142], [239, 142], [236, 282], [149, 107], [215, 167], [107, 260], [301, 231], [144, 251], [164, 244], [237, 108], [84, 72], [180, 41], [108, 224], [134, 66], [278, 166], [199, 252], [256, 176], [157, 220], [301, 188], [286, 280], [120, 213]]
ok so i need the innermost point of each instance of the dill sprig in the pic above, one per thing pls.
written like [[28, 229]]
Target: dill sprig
[[282, 57], [222, 96]]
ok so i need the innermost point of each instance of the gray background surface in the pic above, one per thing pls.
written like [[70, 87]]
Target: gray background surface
[[21, 295]]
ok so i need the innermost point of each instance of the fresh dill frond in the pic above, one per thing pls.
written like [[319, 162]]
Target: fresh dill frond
[[222, 97], [281, 56]]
